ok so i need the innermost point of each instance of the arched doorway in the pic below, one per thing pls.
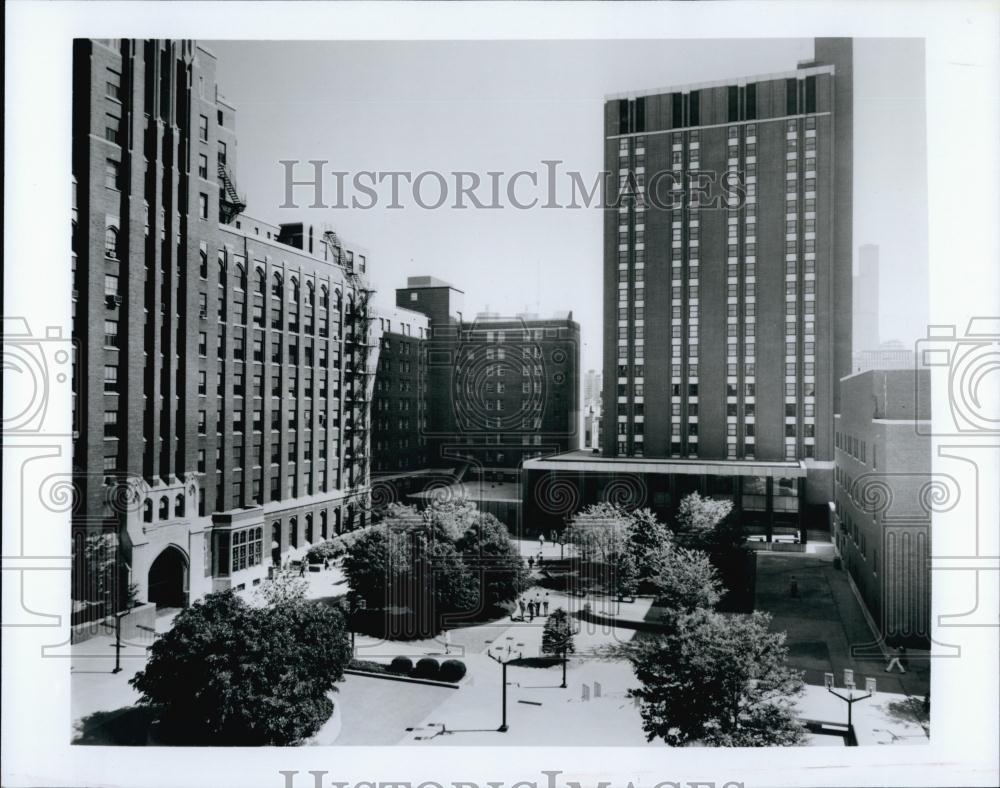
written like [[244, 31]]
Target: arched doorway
[[168, 579]]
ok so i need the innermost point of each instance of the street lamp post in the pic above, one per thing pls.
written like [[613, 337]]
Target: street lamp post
[[118, 641], [499, 659], [850, 699]]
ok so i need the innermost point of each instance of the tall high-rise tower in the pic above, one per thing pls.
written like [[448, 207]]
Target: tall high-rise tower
[[728, 267]]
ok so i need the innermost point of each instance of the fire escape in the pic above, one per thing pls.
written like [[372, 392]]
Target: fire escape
[[231, 204], [361, 357]]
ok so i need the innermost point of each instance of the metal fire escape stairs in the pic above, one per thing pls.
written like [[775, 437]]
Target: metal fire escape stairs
[[231, 204], [362, 356]]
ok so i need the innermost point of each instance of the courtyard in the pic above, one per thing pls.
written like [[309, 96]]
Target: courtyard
[[824, 624]]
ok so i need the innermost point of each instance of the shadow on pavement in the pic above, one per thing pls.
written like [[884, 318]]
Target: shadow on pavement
[[128, 725]]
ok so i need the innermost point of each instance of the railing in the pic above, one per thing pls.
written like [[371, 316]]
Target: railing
[[231, 203]]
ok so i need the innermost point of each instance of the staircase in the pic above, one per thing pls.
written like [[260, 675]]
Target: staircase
[[231, 204]]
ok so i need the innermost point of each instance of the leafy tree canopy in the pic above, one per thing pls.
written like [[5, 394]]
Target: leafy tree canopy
[[228, 673], [493, 559], [686, 581], [704, 523], [718, 680], [557, 636]]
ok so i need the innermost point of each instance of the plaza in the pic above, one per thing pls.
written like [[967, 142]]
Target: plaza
[[824, 625]]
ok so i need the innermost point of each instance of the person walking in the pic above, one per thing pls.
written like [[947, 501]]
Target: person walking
[[895, 660], [520, 602], [541, 541], [447, 642], [531, 611], [545, 603]]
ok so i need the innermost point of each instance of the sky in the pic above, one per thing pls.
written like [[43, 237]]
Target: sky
[[510, 105]]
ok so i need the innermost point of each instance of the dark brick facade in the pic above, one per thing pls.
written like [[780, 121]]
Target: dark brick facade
[[222, 375], [733, 318]]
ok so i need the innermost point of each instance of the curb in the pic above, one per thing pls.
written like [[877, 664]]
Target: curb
[[405, 679]]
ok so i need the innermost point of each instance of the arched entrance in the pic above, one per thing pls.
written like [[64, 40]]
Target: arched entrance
[[168, 579]]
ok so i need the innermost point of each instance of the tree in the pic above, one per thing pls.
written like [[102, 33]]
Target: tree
[[649, 541], [687, 581], [228, 673], [626, 574], [717, 680], [494, 561], [101, 571], [377, 564], [598, 531], [702, 523], [440, 582], [557, 638], [285, 587], [449, 519]]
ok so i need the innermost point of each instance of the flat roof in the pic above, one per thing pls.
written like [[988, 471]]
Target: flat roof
[[584, 460], [721, 83], [414, 282], [475, 491]]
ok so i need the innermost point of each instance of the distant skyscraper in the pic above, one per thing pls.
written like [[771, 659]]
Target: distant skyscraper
[[592, 385], [866, 336], [889, 355]]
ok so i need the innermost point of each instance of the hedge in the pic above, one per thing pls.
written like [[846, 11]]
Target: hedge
[[369, 666], [452, 670], [401, 665], [427, 668]]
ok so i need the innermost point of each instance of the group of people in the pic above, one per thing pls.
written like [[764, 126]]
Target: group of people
[[536, 606]]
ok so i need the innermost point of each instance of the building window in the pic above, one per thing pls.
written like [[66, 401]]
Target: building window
[[110, 377], [203, 206], [203, 128], [222, 153], [113, 85], [112, 128], [111, 423], [111, 242], [112, 174], [202, 165], [111, 333]]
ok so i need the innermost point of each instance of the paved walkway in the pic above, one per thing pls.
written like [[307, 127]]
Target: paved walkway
[[823, 623], [827, 630]]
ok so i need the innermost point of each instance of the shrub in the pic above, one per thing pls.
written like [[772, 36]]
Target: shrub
[[368, 666], [336, 546], [328, 548], [452, 670], [228, 673], [401, 665], [427, 668]]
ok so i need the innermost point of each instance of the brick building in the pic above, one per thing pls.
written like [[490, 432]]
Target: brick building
[[884, 493], [727, 292], [399, 407], [500, 389], [223, 373]]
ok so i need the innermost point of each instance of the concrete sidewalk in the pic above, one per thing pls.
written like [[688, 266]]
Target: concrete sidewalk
[[826, 628]]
